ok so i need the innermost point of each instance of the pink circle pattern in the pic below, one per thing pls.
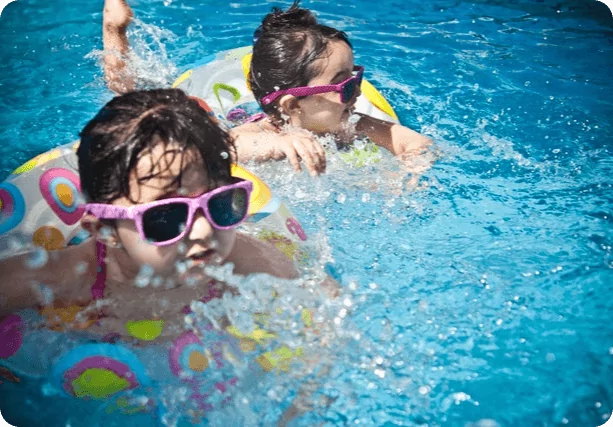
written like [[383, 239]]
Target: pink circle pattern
[[69, 214]]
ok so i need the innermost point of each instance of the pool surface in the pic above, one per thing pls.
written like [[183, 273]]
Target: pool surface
[[480, 297]]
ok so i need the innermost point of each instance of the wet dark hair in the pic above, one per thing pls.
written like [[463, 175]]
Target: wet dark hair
[[130, 126], [286, 46]]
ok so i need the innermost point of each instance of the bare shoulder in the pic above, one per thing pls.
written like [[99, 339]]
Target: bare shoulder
[[251, 255], [253, 127], [66, 273]]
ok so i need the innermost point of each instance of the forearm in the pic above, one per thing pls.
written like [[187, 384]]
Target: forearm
[[116, 17], [408, 142], [397, 139], [19, 285], [253, 146]]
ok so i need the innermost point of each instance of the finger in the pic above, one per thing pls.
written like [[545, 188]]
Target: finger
[[317, 151], [304, 152], [292, 156], [320, 156]]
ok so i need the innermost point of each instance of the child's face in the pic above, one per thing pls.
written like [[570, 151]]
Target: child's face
[[325, 113], [202, 244]]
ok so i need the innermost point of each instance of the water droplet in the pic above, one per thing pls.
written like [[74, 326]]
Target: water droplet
[[144, 276], [423, 390], [486, 422], [37, 259], [460, 397], [14, 244], [224, 155]]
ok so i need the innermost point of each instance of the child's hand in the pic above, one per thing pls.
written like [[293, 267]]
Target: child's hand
[[117, 14], [297, 146], [262, 141]]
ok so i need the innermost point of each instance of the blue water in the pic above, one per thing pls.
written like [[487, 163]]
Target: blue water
[[481, 298]]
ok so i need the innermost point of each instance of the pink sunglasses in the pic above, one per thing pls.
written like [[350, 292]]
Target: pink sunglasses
[[346, 88], [166, 221]]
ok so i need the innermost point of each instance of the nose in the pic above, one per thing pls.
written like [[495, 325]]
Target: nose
[[201, 227]]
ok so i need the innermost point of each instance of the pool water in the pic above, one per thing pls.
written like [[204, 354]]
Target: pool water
[[481, 296]]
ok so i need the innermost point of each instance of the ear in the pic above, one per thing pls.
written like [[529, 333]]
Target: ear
[[290, 106], [99, 231]]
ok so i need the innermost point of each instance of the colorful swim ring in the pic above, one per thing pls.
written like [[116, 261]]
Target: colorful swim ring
[[99, 371], [221, 81], [40, 206]]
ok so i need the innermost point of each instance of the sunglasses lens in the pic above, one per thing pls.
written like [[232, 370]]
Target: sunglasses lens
[[348, 91], [165, 222], [229, 207]]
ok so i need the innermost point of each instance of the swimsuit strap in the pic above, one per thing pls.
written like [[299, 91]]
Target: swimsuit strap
[[255, 118], [100, 283]]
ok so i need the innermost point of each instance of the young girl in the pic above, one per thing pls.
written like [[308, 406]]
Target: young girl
[[161, 205], [305, 80], [303, 75]]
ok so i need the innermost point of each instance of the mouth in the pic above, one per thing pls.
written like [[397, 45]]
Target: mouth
[[202, 257]]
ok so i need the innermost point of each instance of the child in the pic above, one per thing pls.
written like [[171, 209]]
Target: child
[[295, 62], [303, 75], [161, 204]]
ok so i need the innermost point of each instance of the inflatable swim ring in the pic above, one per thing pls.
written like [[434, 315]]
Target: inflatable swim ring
[[221, 81], [40, 206]]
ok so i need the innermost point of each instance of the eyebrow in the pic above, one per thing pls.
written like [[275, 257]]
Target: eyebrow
[[342, 73], [168, 195], [172, 190]]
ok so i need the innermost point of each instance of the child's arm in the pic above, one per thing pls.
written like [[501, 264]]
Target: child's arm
[[251, 255], [115, 19], [399, 140], [22, 283], [260, 142]]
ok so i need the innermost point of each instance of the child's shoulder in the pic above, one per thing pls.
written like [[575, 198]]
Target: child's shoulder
[[251, 255], [73, 271], [262, 125]]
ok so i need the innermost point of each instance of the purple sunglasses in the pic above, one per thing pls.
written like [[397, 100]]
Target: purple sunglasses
[[346, 88], [166, 221]]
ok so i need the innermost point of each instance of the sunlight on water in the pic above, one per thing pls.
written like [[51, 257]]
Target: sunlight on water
[[472, 278]]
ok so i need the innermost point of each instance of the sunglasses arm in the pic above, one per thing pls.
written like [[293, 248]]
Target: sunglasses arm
[[104, 211]]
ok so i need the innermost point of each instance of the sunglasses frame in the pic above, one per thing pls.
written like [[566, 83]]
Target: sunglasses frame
[[315, 90], [135, 213]]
